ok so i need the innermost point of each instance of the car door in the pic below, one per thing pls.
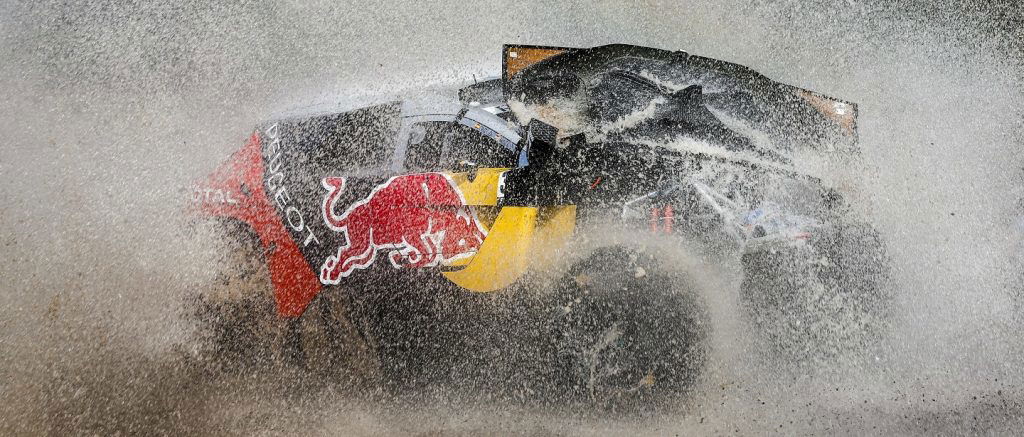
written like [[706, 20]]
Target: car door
[[465, 141], [450, 166], [424, 214]]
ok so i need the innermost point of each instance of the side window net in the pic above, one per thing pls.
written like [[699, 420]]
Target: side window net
[[451, 146]]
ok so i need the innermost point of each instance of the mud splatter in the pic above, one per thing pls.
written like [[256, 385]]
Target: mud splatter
[[110, 108]]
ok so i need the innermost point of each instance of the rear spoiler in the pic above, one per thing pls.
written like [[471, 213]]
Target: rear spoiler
[[797, 103], [516, 57]]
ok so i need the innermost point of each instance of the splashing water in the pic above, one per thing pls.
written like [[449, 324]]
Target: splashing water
[[110, 108]]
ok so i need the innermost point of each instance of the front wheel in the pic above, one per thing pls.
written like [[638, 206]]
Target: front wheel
[[236, 322], [237, 327], [627, 335]]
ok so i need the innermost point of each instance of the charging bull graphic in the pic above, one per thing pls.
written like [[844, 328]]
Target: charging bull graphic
[[422, 219]]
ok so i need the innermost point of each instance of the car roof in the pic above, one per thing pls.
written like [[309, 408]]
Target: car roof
[[413, 103]]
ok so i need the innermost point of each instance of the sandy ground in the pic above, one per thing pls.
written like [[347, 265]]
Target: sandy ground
[[110, 108]]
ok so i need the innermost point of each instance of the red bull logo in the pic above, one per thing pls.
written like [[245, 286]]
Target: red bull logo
[[421, 219]]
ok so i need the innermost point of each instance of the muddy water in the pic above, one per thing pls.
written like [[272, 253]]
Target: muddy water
[[109, 108]]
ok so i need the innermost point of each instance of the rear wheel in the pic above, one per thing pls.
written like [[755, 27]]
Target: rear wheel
[[822, 303]]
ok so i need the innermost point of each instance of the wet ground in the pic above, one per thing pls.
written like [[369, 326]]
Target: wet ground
[[110, 108]]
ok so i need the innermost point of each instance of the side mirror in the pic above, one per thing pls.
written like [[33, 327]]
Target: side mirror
[[540, 142]]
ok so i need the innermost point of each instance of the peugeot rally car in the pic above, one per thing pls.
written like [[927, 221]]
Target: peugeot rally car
[[518, 236]]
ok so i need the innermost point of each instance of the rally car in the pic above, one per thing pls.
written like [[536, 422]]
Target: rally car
[[519, 236]]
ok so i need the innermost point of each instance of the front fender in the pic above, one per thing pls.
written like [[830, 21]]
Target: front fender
[[235, 190]]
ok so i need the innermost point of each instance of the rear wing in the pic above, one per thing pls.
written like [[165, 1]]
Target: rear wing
[[516, 57], [796, 111]]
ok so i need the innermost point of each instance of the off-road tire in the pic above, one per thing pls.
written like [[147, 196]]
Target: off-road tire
[[627, 336], [236, 324], [821, 304], [238, 328]]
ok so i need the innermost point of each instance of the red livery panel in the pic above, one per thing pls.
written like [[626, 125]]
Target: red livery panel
[[240, 184], [421, 218]]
